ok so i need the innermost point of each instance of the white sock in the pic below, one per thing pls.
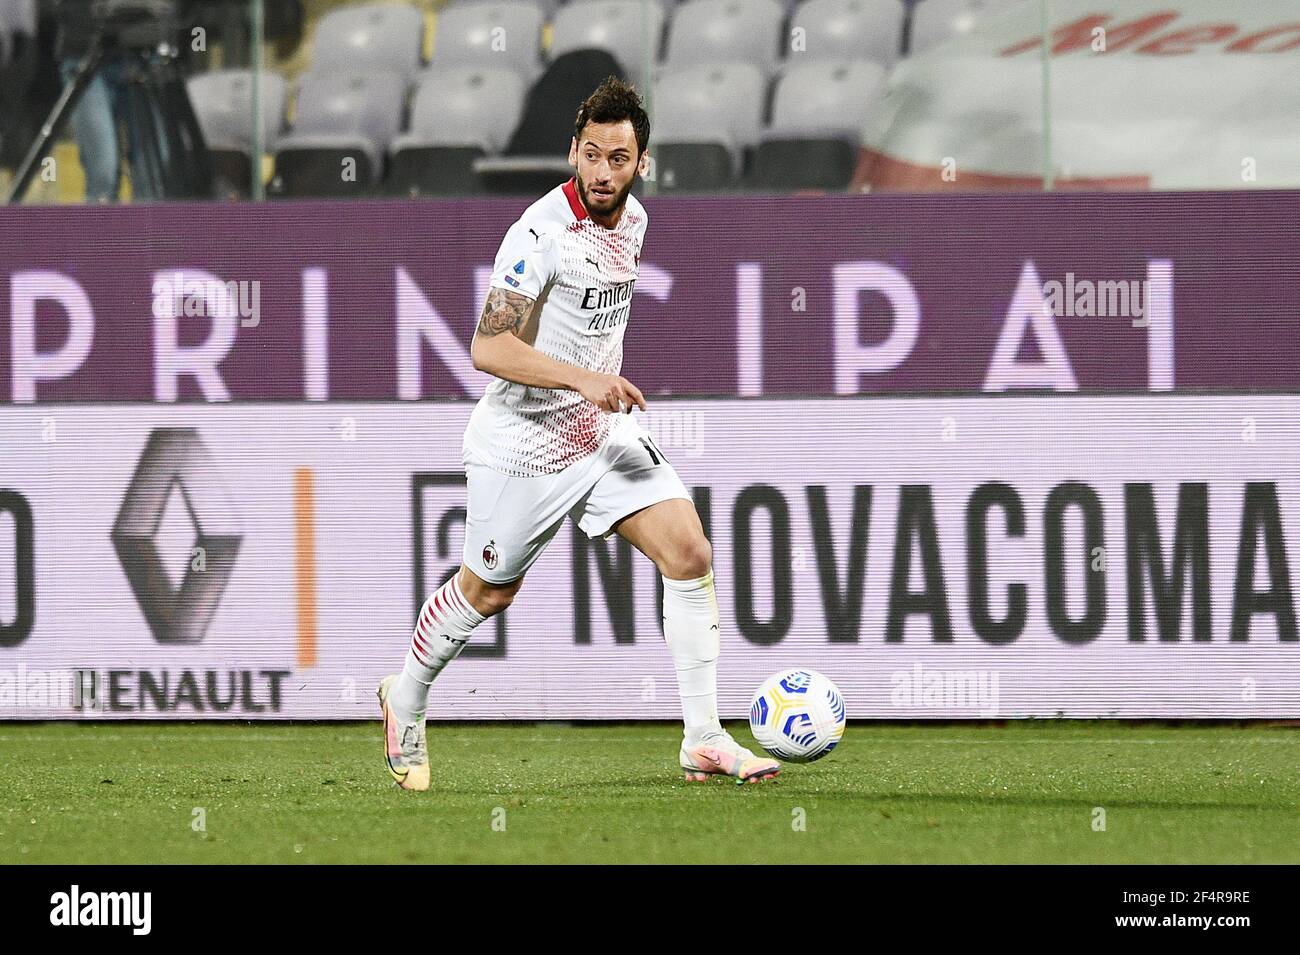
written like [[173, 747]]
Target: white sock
[[444, 627], [691, 631]]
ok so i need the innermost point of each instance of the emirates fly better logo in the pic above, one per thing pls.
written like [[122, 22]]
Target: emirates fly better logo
[[177, 457]]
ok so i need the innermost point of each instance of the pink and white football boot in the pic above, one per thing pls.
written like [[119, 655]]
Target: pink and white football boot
[[720, 755]]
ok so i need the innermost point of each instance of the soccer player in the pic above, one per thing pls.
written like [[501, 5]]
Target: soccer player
[[553, 436]]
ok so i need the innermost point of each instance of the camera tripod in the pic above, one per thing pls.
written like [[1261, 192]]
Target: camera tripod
[[174, 159]]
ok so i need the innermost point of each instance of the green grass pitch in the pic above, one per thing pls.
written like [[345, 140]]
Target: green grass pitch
[[1024, 792]]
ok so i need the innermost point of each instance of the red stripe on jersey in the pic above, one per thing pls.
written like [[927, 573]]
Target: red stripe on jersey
[[575, 204]]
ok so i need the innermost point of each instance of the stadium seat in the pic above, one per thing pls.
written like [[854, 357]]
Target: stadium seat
[[17, 17], [340, 117], [458, 116], [849, 30], [706, 32], [370, 37], [934, 21], [785, 165], [536, 158], [704, 119], [720, 104], [548, 7], [223, 102], [490, 34], [817, 118], [692, 166], [816, 98], [629, 30]]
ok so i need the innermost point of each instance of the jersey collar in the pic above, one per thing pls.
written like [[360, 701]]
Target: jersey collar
[[575, 204]]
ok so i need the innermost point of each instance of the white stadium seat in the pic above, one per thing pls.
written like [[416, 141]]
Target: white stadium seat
[[459, 115], [704, 119], [818, 112], [721, 103], [223, 102], [18, 16], [373, 36], [629, 30], [490, 34], [848, 30], [934, 21], [466, 106], [353, 113], [548, 7], [826, 98], [704, 32]]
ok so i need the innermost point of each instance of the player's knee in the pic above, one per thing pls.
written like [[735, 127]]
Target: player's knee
[[692, 560], [493, 600], [487, 598]]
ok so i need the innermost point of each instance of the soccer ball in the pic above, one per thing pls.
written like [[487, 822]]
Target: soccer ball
[[797, 715]]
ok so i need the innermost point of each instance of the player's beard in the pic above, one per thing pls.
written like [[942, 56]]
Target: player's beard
[[615, 202]]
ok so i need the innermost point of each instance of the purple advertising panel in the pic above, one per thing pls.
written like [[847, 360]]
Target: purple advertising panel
[[773, 296], [977, 557]]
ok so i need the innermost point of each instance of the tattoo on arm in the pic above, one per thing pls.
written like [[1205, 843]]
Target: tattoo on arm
[[504, 312]]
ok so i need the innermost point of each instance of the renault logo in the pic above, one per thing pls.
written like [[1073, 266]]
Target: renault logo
[[177, 457]]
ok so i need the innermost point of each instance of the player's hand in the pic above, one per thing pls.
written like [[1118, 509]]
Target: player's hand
[[611, 393]]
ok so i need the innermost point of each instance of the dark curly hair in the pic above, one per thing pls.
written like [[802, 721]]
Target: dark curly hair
[[612, 102]]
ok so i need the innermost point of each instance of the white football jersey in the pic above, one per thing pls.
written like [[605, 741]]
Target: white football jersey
[[581, 275]]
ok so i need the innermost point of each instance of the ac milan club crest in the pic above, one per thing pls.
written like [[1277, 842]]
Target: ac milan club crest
[[490, 555]]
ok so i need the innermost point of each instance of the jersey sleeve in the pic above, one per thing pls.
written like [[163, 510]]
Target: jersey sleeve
[[526, 261]]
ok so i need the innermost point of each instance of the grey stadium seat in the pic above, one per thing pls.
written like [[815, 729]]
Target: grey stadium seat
[[934, 21], [704, 120], [536, 157], [693, 166], [370, 37], [223, 102], [849, 30], [826, 97], [548, 7], [490, 33], [458, 116], [724, 101], [704, 32], [339, 116], [629, 30], [18, 16], [817, 118]]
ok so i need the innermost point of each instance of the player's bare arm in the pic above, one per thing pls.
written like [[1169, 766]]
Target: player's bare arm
[[498, 350]]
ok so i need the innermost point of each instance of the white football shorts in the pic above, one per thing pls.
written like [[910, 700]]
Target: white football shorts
[[510, 520]]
